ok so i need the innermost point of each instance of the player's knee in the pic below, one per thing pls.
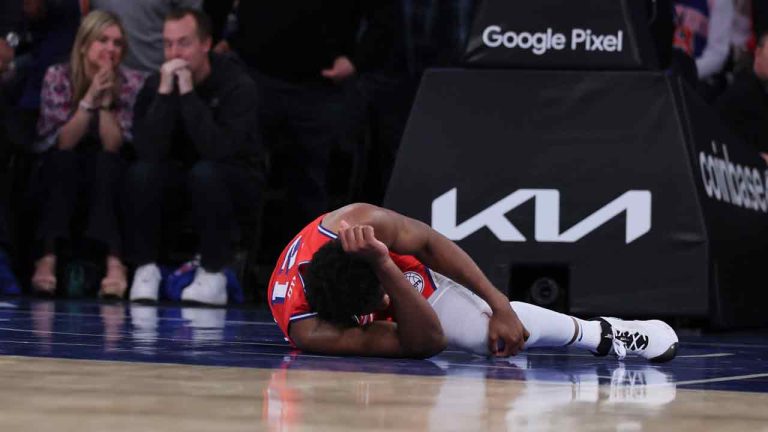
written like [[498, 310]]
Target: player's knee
[[469, 334]]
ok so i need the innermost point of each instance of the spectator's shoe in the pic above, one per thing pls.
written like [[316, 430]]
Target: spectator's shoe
[[207, 288], [653, 340], [146, 283], [44, 279], [115, 282]]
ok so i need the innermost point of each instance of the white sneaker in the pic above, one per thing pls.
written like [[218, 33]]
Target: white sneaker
[[654, 340], [146, 283], [207, 288]]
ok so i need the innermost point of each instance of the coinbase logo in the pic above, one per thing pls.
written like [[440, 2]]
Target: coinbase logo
[[733, 183]]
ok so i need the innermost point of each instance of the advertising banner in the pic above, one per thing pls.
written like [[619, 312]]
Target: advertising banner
[[584, 191], [732, 182], [576, 34]]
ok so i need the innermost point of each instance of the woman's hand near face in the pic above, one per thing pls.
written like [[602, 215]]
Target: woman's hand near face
[[110, 88], [101, 87], [109, 128], [93, 95]]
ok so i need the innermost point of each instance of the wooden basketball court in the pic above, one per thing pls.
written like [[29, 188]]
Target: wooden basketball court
[[87, 366]]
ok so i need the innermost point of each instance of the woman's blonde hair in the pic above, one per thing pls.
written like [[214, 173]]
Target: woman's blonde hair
[[91, 28]]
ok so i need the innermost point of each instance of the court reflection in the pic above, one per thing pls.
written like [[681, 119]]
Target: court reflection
[[550, 396], [465, 396], [41, 314], [297, 395], [144, 326], [185, 329], [197, 324], [113, 319], [121, 328], [249, 338]]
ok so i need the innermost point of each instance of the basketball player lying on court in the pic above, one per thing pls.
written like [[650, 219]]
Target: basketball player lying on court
[[367, 281]]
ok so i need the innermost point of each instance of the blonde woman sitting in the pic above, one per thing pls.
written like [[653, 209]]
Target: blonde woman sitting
[[85, 121]]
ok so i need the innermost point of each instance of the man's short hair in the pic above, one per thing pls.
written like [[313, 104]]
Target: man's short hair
[[204, 26], [340, 286], [762, 39]]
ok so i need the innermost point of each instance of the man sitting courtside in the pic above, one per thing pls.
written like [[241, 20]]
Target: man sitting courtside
[[196, 139], [744, 105]]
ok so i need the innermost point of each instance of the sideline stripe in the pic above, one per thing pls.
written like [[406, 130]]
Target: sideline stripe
[[705, 355], [723, 345], [536, 354], [722, 379]]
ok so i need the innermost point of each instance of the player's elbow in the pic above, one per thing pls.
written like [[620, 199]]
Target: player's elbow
[[430, 345], [437, 344]]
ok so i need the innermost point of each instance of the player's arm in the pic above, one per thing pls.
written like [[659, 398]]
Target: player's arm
[[377, 339], [405, 235], [417, 333]]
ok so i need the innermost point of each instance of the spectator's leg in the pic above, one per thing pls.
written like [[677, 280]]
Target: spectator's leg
[[145, 187], [213, 212], [214, 188], [246, 184], [104, 186], [61, 172], [60, 178], [103, 225]]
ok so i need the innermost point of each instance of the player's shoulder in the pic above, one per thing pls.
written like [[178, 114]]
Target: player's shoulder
[[359, 208], [357, 214]]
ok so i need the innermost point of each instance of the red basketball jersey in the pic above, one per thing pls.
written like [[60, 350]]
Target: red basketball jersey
[[286, 295]]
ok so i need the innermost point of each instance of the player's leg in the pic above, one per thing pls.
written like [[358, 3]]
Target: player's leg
[[651, 339], [464, 317]]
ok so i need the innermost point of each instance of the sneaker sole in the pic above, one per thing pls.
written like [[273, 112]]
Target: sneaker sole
[[190, 302], [668, 355], [144, 300], [671, 352]]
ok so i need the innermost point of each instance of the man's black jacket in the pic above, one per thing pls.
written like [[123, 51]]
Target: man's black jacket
[[217, 121]]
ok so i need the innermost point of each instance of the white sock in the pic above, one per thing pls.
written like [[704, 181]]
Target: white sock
[[590, 334], [548, 328]]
